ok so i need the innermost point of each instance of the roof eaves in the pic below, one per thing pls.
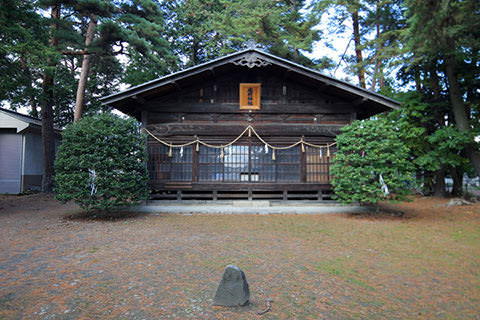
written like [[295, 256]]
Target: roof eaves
[[21, 117], [27, 119], [370, 95], [339, 83], [39, 127], [166, 79]]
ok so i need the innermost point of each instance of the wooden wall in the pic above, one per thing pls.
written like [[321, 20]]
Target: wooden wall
[[201, 107], [209, 109]]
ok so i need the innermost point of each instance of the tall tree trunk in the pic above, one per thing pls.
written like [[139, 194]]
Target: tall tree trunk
[[428, 183], [459, 111], [33, 106], [457, 175], [48, 133], [82, 82], [358, 49], [195, 51], [377, 73], [382, 80], [439, 186]]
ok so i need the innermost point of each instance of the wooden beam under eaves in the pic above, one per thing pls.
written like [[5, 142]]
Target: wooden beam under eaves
[[176, 85], [139, 99], [359, 102]]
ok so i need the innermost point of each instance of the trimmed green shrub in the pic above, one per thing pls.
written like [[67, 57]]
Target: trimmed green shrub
[[101, 163], [372, 163]]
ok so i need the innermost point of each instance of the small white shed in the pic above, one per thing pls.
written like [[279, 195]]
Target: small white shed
[[21, 155]]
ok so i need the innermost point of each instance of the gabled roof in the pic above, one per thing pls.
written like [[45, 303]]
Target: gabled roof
[[248, 58], [14, 120]]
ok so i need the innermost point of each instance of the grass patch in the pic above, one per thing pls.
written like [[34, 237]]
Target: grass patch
[[467, 236], [93, 249], [340, 268], [360, 283]]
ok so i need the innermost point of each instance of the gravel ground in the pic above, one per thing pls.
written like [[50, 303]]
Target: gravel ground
[[58, 263]]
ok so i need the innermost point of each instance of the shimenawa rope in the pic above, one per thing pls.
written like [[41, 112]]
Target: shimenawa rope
[[248, 129]]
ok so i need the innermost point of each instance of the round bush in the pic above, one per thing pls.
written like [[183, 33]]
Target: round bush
[[101, 163], [372, 163]]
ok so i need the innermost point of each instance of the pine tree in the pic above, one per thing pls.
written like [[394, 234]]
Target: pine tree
[[136, 28], [449, 29], [373, 28], [348, 11], [41, 55], [204, 30], [48, 100], [23, 43], [193, 30]]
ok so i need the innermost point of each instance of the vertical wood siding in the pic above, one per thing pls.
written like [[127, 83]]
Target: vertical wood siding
[[10, 162]]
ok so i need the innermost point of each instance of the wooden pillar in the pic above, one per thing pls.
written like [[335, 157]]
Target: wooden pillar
[[275, 166], [214, 93], [328, 169], [303, 166], [250, 159], [195, 163], [144, 118], [284, 93], [148, 163]]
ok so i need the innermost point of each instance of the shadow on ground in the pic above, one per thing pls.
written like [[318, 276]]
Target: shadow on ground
[[105, 216], [386, 212]]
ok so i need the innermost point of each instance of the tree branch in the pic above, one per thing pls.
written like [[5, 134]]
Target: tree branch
[[76, 52]]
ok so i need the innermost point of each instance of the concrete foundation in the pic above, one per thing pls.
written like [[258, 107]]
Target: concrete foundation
[[261, 207]]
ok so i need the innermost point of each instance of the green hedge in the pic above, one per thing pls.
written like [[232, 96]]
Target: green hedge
[[101, 163], [370, 152]]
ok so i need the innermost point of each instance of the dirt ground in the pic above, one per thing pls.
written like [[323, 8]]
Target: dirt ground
[[56, 263]]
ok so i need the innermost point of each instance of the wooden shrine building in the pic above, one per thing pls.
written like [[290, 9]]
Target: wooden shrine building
[[248, 125]]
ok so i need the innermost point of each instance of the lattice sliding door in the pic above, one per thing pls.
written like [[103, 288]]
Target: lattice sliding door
[[288, 165], [210, 165], [244, 163], [318, 165], [178, 167]]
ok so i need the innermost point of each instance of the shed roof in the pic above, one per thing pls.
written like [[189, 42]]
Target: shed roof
[[14, 120], [127, 100]]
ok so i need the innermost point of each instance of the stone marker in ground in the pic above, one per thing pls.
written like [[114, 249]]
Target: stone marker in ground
[[458, 202], [233, 288]]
